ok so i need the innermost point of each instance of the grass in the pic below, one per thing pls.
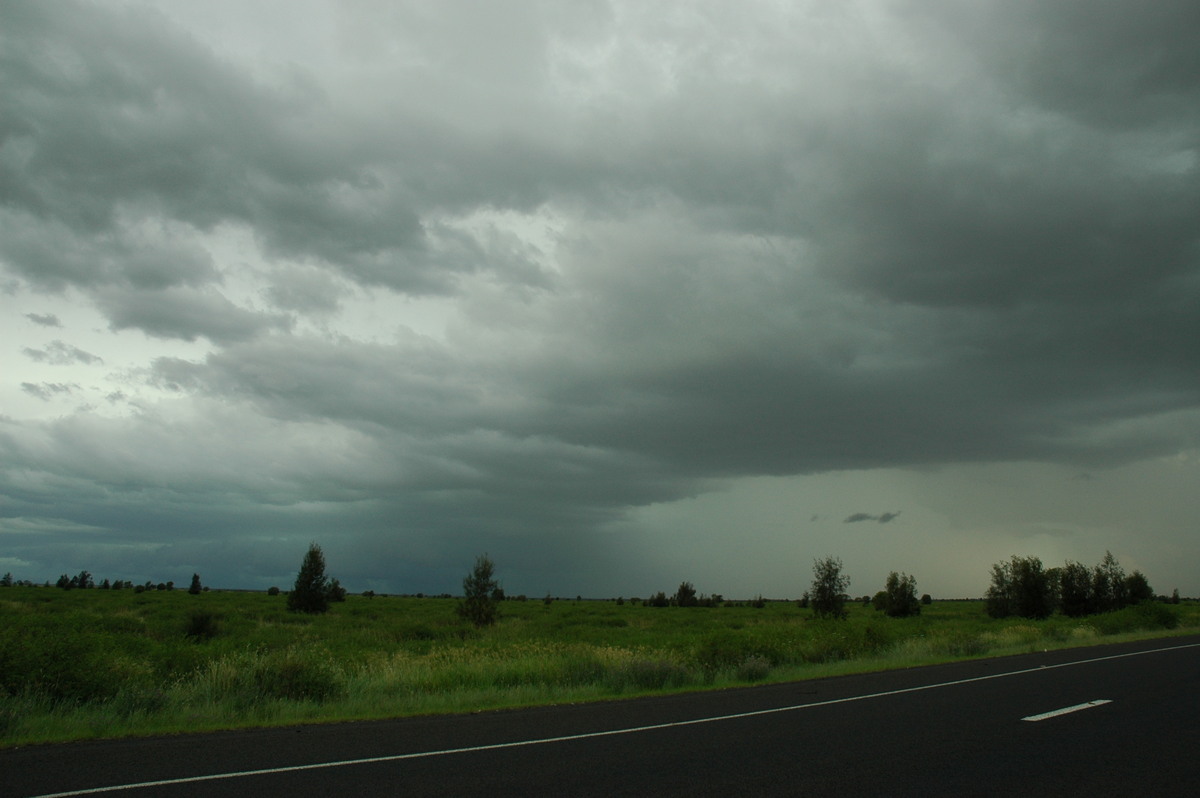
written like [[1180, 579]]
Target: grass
[[84, 664]]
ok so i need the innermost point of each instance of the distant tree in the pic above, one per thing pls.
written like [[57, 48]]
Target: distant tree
[[1075, 590], [311, 592], [196, 587], [369, 594], [659, 599], [1019, 587], [926, 599], [685, 596], [272, 591], [64, 582], [1108, 585], [7, 581], [900, 596], [479, 605], [828, 594], [336, 591], [1137, 588], [1175, 596]]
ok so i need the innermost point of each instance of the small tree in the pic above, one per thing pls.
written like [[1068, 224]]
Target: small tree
[[311, 591], [195, 589], [479, 605], [828, 594], [1075, 590], [1108, 585], [900, 596], [1137, 588], [7, 581], [685, 596], [1020, 587]]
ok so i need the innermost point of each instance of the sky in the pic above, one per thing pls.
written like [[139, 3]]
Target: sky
[[621, 294]]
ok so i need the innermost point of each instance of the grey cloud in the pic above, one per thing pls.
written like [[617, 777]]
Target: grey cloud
[[58, 353], [48, 390], [44, 319], [186, 315], [966, 236], [857, 518]]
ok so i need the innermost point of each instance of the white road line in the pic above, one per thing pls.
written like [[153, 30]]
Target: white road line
[[1054, 713], [590, 735]]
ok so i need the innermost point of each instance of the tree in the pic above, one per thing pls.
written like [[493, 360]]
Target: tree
[[1137, 588], [195, 589], [311, 591], [1020, 587], [479, 605], [900, 596], [1108, 585], [1075, 590], [828, 594], [685, 596], [7, 581]]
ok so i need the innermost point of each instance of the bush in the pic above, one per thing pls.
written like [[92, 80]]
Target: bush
[[201, 625]]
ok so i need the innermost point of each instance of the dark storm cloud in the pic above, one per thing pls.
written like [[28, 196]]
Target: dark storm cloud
[[935, 234], [186, 315]]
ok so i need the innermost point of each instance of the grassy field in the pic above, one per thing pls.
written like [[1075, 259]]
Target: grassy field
[[84, 664]]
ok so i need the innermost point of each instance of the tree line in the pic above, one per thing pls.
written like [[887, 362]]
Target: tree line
[[1021, 586]]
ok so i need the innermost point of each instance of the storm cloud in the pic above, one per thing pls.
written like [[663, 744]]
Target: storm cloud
[[423, 282]]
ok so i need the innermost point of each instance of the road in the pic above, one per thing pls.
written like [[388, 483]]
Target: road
[[973, 728]]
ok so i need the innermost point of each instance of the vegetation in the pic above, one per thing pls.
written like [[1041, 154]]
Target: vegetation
[[1022, 587], [828, 594], [482, 594], [104, 663], [899, 597], [312, 592]]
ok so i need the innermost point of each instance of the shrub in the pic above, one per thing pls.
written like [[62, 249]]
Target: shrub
[[201, 625]]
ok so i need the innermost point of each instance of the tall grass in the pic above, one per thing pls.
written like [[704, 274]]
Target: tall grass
[[85, 664]]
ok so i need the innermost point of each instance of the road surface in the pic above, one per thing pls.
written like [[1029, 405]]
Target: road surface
[[1103, 721]]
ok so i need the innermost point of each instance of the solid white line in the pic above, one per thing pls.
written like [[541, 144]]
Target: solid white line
[[590, 735], [1067, 710]]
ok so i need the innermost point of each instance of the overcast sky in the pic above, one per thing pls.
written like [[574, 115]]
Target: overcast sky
[[620, 293]]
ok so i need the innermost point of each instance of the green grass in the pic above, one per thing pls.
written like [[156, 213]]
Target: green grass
[[95, 663]]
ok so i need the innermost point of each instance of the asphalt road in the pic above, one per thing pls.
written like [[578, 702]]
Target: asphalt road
[[963, 729]]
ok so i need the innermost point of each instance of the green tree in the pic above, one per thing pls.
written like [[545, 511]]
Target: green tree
[[1075, 590], [195, 588], [1020, 587], [479, 605], [1137, 588], [311, 592], [1108, 585], [685, 596], [828, 597], [7, 581], [900, 596]]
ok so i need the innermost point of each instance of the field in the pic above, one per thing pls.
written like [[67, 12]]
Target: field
[[84, 664]]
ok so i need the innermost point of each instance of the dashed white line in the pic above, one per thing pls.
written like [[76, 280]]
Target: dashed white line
[[1054, 713], [607, 733]]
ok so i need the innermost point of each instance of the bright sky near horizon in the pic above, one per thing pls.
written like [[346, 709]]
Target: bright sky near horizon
[[620, 293]]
